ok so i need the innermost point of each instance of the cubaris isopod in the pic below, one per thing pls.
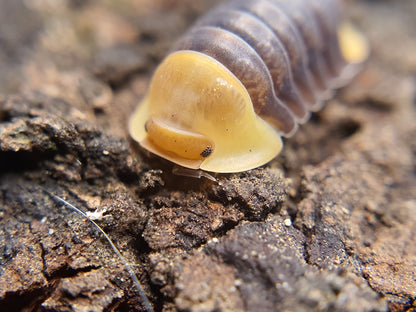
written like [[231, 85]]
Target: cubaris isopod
[[247, 73]]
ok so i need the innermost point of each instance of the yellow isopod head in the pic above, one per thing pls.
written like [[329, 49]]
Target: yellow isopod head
[[197, 114]]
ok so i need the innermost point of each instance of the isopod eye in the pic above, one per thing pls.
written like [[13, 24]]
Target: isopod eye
[[183, 143]]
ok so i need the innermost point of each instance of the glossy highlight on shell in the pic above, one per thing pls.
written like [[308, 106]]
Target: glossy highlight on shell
[[247, 73]]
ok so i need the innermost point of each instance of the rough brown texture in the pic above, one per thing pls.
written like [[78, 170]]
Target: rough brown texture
[[329, 225]]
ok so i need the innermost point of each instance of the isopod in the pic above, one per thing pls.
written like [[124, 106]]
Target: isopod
[[247, 73]]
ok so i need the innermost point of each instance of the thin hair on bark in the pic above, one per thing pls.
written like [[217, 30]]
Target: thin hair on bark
[[144, 300]]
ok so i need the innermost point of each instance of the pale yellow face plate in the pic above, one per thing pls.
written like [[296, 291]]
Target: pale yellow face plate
[[194, 101]]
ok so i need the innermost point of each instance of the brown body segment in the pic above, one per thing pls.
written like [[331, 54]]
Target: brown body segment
[[311, 35], [328, 14], [283, 27], [269, 47]]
